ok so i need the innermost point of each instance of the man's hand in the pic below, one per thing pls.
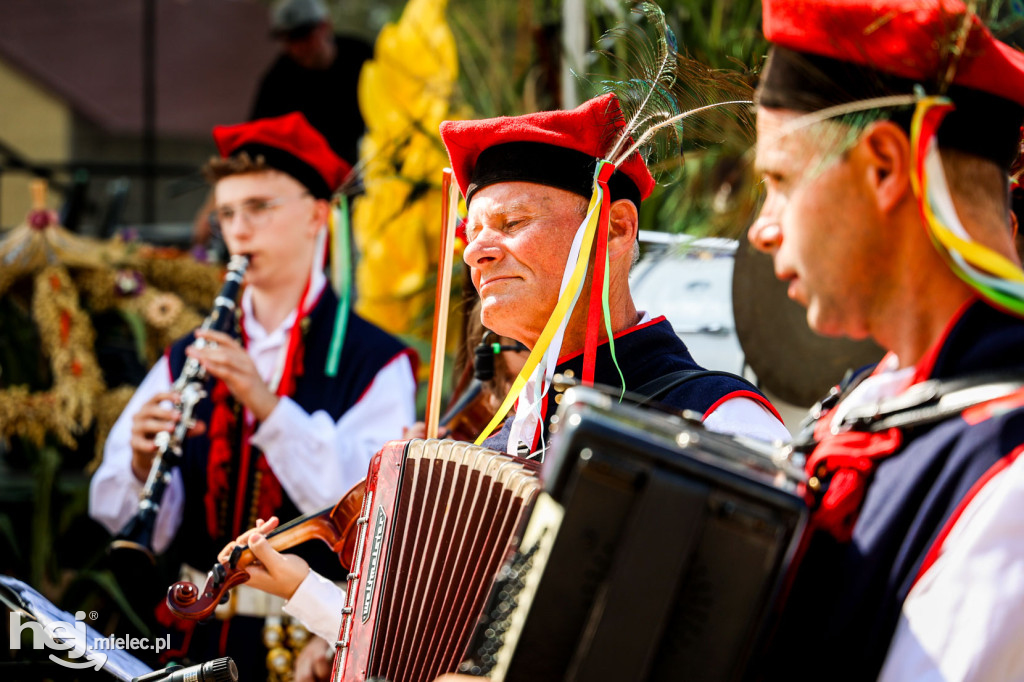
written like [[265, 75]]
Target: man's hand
[[227, 360], [151, 419], [314, 661], [275, 573]]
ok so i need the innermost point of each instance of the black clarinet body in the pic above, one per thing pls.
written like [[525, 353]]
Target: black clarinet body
[[191, 386]]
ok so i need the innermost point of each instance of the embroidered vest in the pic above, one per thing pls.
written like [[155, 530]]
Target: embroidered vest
[[645, 353]]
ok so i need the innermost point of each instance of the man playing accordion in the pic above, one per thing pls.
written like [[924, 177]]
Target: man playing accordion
[[527, 180], [886, 133]]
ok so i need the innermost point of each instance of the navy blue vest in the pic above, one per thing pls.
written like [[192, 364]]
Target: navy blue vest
[[840, 617], [365, 352], [644, 354]]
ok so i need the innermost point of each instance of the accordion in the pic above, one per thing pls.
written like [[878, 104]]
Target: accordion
[[438, 520], [655, 551]]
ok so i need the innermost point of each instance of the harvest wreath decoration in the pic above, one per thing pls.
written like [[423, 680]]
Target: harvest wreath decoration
[[67, 271]]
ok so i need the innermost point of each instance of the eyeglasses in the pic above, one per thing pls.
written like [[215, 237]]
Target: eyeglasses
[[256, 212]]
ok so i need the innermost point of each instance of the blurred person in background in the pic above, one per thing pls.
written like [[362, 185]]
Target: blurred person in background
[[317, 73]]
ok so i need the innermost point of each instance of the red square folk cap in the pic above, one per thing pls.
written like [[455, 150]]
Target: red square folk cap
[[289, 144], [555, 148], [912, 39], [829, 52]]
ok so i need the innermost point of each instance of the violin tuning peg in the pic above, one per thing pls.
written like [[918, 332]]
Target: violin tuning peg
[[219, 574]]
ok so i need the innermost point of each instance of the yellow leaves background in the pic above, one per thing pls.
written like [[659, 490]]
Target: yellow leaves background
[[404, 94]]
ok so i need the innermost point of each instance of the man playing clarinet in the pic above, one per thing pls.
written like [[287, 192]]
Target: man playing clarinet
[[289, 424]]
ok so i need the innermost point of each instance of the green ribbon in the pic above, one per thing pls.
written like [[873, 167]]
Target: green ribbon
[[342, 267]]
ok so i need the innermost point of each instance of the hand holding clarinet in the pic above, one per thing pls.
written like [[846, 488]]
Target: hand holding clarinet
[[158, 431]]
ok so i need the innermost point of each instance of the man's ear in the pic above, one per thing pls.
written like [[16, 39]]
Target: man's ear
[[320, 215], [623, 226], [885, 149]]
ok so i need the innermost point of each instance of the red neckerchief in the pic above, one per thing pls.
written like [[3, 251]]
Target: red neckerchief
[[845, 461], [223, 423], [842, 464]]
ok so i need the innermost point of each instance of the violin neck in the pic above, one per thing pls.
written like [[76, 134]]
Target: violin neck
[[284, 527]]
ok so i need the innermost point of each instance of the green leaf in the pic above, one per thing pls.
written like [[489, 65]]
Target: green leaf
[[137, 325], [7, 532], [105, 581], [41, 554]]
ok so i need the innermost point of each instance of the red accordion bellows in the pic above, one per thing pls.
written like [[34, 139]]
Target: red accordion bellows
[[438, 519]]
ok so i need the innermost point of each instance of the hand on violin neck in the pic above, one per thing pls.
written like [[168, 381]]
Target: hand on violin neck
[[262, 528], [276, 573], [269, 571]]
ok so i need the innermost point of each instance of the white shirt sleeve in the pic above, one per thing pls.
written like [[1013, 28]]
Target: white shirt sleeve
[[114, 490], [747, 417], [316, 459], [964, 618], [317, 603]]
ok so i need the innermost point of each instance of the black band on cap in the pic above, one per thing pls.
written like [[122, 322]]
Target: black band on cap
[[981, 124], [282, 161], [545, 164]]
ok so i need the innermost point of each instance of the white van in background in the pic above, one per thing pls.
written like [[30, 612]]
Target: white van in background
[[691, 280]]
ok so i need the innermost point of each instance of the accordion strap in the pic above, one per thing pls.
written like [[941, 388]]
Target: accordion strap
[[932, 401], [660, 387]]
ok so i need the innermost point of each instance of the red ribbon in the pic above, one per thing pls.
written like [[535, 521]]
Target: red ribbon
[[222, 425], [597, 285]]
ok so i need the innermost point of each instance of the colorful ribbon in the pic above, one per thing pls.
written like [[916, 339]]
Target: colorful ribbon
[[559, 318], [992, 275]]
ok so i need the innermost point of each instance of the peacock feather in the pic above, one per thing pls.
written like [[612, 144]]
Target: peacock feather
[[670, 102]]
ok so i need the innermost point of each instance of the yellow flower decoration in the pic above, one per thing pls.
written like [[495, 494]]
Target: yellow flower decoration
[[404, 94]]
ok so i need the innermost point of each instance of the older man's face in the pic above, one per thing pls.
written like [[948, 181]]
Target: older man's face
[[519, 237], [817, 224]]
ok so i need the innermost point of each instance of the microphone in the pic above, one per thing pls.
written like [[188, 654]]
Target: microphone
[[217, 670], [483, 365]]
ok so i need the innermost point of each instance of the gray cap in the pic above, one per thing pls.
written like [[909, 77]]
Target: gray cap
[[288, 15]]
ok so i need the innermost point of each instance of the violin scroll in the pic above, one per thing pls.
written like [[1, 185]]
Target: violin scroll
[[185, 600]]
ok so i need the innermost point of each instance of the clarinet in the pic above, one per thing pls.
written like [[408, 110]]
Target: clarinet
[[190, 385]]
